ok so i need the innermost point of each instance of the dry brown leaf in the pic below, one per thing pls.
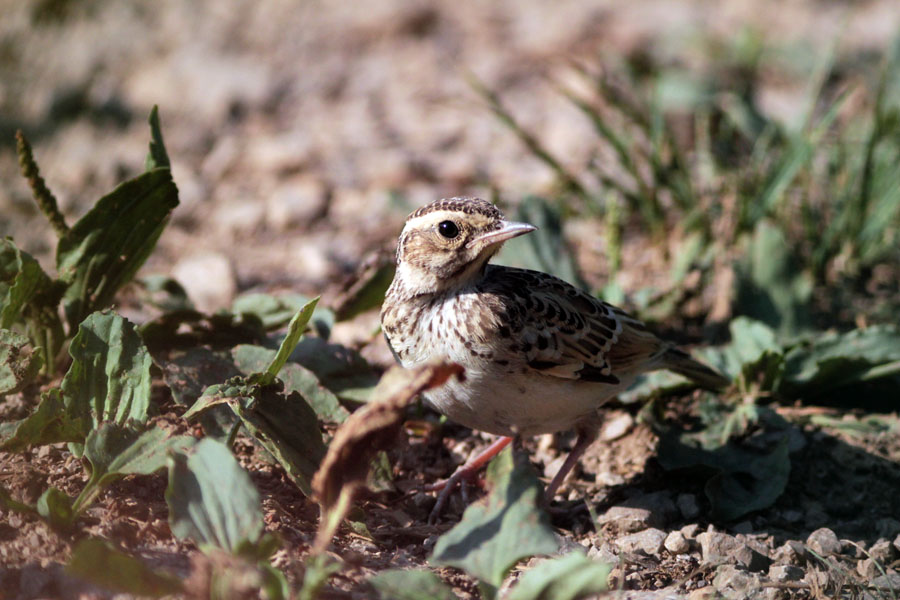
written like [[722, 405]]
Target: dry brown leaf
[[372, 428]]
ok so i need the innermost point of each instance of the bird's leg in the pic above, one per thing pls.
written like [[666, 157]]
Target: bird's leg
[[464, 472], [586, 437]]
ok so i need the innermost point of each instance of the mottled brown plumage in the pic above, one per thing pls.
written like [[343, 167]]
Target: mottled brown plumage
[[540, 355]]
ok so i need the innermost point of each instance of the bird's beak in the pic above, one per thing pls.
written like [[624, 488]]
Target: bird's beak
[[509, 230]]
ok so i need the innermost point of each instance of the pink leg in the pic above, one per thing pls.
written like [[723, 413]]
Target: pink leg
[[464, 472], [586, 437]]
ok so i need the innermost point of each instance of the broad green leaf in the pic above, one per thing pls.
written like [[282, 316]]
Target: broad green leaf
[[109, 379], [98, 562], [52, 422], [115, 451], [254, 359], [494, 535], [295, 330], [318, 568], [542, 250], [212, 499], [836, 359], [741, 480], [277, 311], [107, 246], [750, 342], [22, 284], [55, 507], [414, 584], [19, 363], [340, 369], [568, 577], [157, 156], [286, 426]]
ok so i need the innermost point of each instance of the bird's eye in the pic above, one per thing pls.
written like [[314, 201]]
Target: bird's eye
[[448, 229]]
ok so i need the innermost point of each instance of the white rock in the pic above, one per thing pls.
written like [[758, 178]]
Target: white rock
[[208, 279]]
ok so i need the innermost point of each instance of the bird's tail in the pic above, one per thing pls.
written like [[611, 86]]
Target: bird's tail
[[682, 363]]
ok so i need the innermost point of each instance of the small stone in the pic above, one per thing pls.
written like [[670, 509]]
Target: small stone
[[604, 553], [791, 552], [733, 582], [868, 568], [751, 560], [296, 203], [897, 543], [690, 530], [676, 543], [824, 542], [687, 505], [617, 427], [640, 512], [785, 573], [650, 542], [208, 279], [882, 551], [717, 548], [889, 581]]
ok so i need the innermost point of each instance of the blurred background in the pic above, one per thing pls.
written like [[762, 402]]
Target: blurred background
[[703, 158]]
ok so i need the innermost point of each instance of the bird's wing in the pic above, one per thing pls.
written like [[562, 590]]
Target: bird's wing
[[564, 332]]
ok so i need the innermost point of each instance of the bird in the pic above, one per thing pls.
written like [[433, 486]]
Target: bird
[[539, 354]]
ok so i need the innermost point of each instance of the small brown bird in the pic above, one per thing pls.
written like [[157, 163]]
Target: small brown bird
[[540, 355]]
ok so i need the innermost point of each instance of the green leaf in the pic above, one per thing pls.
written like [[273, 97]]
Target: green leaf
[[115, 451], [751, 342], [55, 507], [19, 364], [340, 369], [109, 379], [834, 360], [277, 311], [157, 157], [253, 359], [568, 577], [494, 535], [52, 422], [98, 562], [107, 246], [295, 330], [286, 426], [542, 250], [415, 584], [212, 499], [319, 567], [742, 480], [22, 283]]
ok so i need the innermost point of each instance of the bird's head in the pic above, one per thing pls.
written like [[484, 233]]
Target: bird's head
[[447, 243]]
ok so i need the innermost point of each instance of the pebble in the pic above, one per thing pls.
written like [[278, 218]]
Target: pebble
[[824, 542], [617, 427], [717, 548], [649, 541], [785, 573], [676, 543], [296, 203], [751, 559], [208, 279], [734, 582], [640, 512], [897, 543], [882, 551]]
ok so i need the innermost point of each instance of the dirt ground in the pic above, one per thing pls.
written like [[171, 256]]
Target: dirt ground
[[301, 134]]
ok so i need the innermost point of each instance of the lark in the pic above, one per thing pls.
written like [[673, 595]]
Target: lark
[[540, 355]]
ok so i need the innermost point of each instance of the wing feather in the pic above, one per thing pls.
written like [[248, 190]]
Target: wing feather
[[564, 332]]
